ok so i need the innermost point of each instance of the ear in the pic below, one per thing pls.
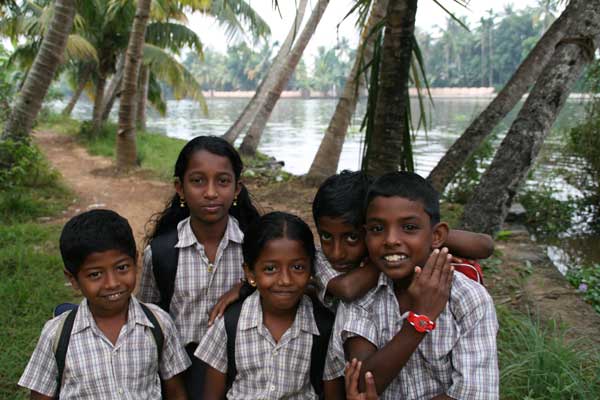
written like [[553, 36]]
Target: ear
[[248, 273], [72, 279], [178, 187], [238, 187], [440, 234]]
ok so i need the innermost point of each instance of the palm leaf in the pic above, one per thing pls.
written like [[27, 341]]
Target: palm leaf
[[454, 17], [173, 36], [79, 48], [155, 96]]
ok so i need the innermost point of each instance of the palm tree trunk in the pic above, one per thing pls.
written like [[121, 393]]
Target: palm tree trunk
[[388, 142], [82, 81], [249, 112], [252, 138], [489, 205], [126, 146], [49, 57], [327, 158], [505, 101], [98, 99], [114, 89], [142, 96]]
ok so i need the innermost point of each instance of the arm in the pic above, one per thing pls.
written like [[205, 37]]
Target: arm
[[354, 284], [38, 396], [333, 389], [216, 389], [469, 244], [174, 389], [427, 295], [229, 297]]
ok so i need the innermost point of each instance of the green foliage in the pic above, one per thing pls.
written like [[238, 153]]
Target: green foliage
[[545, 214], [7, 85], [587, 280], [538, 362]]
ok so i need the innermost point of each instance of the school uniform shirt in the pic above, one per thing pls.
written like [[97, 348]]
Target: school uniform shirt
[[324, 273], [97, 369], [265, 369], [458, 358], [198, 283]]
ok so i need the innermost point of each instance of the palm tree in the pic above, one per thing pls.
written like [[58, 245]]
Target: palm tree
[[327, 158], [509, 96], [252, 138], [49, 57], [492, 198]]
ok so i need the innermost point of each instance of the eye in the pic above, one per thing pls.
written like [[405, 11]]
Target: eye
[[352, 238], [298, 267], [325, 236], [375, 228], [197, 180], [224, 180], [410, 227], [123, 267], [94, 275], [269, 268]]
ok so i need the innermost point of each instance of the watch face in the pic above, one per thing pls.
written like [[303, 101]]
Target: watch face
[[421, 322]]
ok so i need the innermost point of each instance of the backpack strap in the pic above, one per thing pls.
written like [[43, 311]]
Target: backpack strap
[[231, 318], [165, 257], [157, 332], [61, 343], [324, 320]]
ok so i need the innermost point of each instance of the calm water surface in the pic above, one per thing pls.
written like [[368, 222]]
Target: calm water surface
[[296, 128]]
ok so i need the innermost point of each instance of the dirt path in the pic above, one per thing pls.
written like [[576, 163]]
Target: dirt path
[[525, 279]]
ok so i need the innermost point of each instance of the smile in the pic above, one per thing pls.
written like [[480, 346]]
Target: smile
[[114, 296], [395, 259]]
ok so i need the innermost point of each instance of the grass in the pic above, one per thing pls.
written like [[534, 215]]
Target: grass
[[31, 280]]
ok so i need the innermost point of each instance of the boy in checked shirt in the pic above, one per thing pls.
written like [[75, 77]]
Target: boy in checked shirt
[[112, 353], [456, 357]]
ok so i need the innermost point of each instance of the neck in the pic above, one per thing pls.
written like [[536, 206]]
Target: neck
[[209, 233], [103, 316], [277, 314]]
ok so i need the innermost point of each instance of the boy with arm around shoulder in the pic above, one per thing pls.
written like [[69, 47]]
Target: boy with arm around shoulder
[[457, 357], [111, 352]]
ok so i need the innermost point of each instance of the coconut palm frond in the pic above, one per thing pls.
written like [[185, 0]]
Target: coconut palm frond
[[172, 36], [79, 48], [373, 89], [234, 14], [454, 17], [155, 96], [196, 5], [23, 55]]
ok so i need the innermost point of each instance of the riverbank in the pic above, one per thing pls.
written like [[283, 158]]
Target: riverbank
[[536, 356]]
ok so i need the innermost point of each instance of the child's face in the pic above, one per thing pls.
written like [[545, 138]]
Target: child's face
[[342, 243], [281, 273], [106, 279], [208, 186], [399, 235]]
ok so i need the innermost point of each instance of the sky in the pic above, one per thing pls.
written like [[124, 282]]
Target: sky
[[429, 15]]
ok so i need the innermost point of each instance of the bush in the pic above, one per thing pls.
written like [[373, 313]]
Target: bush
[[545, 214], [587, 280]]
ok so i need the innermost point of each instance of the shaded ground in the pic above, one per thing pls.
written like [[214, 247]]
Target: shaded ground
[[523, 278]]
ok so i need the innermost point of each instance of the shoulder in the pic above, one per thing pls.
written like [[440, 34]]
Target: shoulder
[[468, 296], [164, 319]]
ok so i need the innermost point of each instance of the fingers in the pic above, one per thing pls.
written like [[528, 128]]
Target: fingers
[[351, 374], [438, 265], [216, 312], [371, 393], [447, 272]]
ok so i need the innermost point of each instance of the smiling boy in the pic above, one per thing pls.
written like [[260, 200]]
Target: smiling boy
[[112, 352], [456, 357]]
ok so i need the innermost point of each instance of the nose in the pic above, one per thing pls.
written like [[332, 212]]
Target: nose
[[392, 237], [284, 277], [110, 280], [337, 252], [211, 190]]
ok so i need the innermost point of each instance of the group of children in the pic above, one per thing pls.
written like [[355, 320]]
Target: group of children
[[241, 306]]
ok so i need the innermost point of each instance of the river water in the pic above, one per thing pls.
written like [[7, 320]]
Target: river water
[[296, 127]]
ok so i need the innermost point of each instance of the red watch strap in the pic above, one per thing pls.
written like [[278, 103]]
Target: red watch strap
[[421, 323]]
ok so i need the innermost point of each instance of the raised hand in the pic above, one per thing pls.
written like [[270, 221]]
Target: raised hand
[[351, 375]]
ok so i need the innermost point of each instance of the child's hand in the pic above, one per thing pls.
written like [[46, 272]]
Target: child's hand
[[351, 375], [430, 288], [229, 297]]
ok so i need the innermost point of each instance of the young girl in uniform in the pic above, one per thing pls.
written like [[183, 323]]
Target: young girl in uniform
[[205, 219], [276, 326]]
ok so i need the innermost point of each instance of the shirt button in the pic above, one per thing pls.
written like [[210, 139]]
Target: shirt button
[[275, 352], [272, 388], [120, 391]]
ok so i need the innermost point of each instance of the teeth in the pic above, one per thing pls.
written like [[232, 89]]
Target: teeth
[[395, 257], [114, 296]]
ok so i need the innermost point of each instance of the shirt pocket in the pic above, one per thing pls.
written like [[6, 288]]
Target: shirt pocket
[[439, 368]]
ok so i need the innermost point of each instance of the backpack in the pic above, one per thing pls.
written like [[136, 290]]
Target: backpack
[[324, 320], [63, 336], [165, 257], [470, 268]]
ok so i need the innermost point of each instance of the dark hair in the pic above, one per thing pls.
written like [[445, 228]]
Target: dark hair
[[91, 232], [244, 212], [277, 225], [342, 195], [409, 186]]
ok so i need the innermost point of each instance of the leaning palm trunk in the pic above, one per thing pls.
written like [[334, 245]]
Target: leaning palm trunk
[[98, 100], [142, 96], [113, 90], [268, 81], [252, 138], [327, 158], [49, 57], [82, 81], [506, 100], [491, 200], [126, 147], [391, 136]]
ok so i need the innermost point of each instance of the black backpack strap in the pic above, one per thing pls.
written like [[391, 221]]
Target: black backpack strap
[[231, 318], [165, 257], [318, 353], [157, 332], [60, 352]]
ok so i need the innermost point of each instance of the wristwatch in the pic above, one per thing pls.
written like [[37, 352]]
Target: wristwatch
[[421, 323]]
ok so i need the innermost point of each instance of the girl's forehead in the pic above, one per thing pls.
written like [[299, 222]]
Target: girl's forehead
[[205, 161]]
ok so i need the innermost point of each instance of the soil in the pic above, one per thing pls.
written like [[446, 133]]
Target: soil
[[521, 277]]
